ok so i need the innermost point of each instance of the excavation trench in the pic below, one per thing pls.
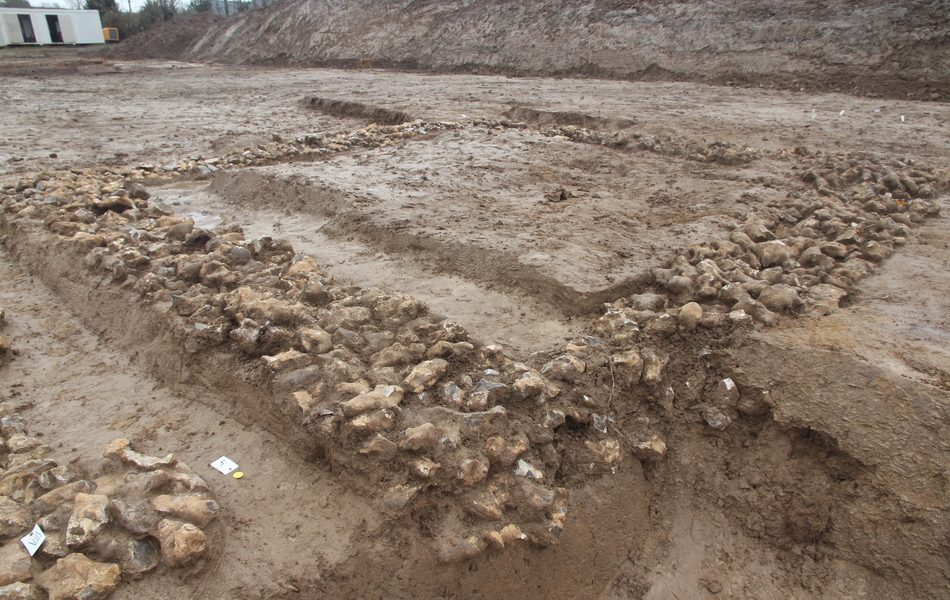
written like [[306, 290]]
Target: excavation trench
[[499, 312], [780, 448], [511, 211], [149, 333], [836, 491], [799, 483], [318, 215]]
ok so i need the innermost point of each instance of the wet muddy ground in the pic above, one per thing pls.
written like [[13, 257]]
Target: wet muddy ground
[[519, 236]]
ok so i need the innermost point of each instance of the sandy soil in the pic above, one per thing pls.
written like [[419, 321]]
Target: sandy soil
[[82, 395], [460, 220]]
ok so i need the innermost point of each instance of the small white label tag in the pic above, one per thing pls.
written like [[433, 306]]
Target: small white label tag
[[225, 465], [33, 540]]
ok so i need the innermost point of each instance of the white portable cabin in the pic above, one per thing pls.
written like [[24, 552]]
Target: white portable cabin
[[40, 26]]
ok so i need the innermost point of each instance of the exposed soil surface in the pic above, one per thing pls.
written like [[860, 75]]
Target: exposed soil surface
[[83, 395], [886, 49], [544, 199]]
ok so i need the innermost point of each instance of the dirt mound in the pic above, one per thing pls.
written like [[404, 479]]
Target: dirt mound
[[168, 40], [342, 108], [789, 45]]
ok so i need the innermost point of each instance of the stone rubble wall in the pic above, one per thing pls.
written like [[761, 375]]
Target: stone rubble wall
[[106, 520]]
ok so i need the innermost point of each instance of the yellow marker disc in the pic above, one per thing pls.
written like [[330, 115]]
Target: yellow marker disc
[[238, 474]]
